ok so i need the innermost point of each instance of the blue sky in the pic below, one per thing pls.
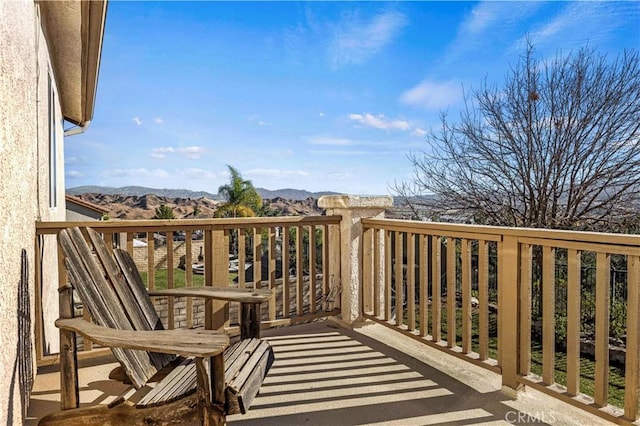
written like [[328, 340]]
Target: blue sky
[[317, 96]]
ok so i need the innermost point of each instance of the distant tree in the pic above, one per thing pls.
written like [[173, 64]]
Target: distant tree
[[556, 146], [265, 210], [196, 210], [240, 197], [164, 212]]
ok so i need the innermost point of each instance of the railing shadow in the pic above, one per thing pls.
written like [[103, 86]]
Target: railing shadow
[[329, 376]]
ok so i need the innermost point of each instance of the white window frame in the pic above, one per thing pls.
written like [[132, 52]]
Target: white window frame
[[53, 145]]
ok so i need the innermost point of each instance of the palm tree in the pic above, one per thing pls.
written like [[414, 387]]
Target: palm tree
[[241, 197]]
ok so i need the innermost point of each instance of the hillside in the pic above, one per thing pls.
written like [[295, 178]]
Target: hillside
[[122, 206], [287, 194]]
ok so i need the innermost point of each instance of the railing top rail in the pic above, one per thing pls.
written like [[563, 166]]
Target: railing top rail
[[189, 224], [491, 232]]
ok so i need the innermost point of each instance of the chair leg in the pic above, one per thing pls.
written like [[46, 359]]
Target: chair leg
[[249, 320], [211, 404]]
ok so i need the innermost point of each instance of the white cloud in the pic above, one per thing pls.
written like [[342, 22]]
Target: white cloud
[[195, 173], [140, 172], [354, 41], [345, 153], [345, 175], [380, 122], [324, 140], [481, 17], [191, 152], [321, 114], [284, 153], [74, 174], [578, 23], [161, 152], [137, 121], [275, 173], [419, 132], [255, 118], [433, 95], [71, 160], [158, 120], [488, 23]]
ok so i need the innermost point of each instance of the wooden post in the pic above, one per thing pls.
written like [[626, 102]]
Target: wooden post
[[69, 396], [217, 275], [509, 261], [632, 375], [603, 297]]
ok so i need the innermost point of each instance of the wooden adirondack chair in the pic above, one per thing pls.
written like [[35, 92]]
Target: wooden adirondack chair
[[172, 383]]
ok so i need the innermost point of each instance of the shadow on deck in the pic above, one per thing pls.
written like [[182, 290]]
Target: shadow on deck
[[324, 375]]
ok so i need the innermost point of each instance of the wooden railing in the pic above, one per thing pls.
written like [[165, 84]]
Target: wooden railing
[[516, 301], [296, 257]]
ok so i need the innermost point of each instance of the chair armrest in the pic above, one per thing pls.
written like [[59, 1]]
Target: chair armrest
[[198, 343], [230, 294]]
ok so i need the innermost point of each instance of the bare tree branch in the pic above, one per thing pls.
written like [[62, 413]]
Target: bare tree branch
[[556, 146]]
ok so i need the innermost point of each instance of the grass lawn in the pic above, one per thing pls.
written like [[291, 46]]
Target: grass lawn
[[587, 365], [179, 278]]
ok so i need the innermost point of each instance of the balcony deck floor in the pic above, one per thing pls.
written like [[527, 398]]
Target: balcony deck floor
[[327, 375]]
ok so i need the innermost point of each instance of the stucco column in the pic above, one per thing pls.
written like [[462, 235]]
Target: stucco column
[[352, 209]]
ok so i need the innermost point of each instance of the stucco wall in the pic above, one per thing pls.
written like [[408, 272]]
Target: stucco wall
[[24, 163]]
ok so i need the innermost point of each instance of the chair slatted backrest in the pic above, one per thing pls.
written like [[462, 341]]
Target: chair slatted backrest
[[111, 299]]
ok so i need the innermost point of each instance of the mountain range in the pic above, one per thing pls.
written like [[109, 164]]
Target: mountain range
[[287, 194]]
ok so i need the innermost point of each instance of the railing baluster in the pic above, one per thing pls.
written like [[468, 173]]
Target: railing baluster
[[286, 289], [377, 283], [467, 319], [632, 361], [108, 239], [424, 284], [242, 257], [451, 292], [548, 314], [603, 267], [436, 289], [399, 281], [483, 299], [573, 322], [272, 272], [170, 283], [313, 294], [299, 271], [411, 281], [325, 260], [387, 275], [367, 267], [130, 242], [524, 364], [151, 261], [188, 276], [257, 258]]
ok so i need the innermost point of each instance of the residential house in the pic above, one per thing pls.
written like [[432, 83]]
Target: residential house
[[79, 209], [49, 62]]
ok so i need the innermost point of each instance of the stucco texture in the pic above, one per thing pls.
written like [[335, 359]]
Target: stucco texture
[[24, 166]]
